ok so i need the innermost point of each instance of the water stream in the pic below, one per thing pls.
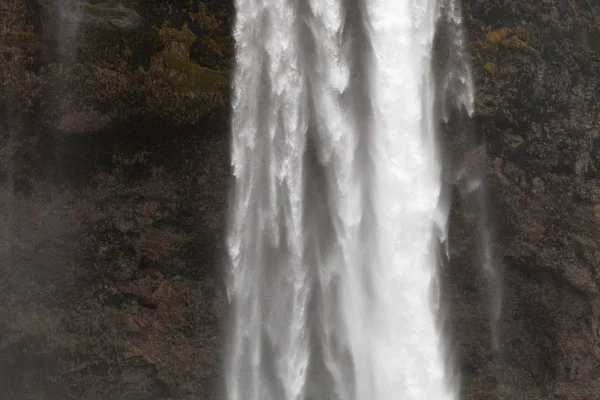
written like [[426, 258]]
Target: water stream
[[336, 212]]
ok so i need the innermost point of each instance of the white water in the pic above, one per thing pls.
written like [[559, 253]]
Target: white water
[[335, 217]]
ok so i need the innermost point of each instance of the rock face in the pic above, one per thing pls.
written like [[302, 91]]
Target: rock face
[[110, 286], [535, 138], [114, 153]]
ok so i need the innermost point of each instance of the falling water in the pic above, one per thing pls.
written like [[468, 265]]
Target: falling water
[[63, 31], [458, 98], [65, 28], [335, 213]]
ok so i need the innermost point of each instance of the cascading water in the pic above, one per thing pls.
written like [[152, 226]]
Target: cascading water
[[65, 27], [335, 215], [457, 96]]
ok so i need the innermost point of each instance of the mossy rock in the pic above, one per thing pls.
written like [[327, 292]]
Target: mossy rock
[[174, 65], [174, 87], [111, 15], [495, 37], [191, 76], [124, 67], [490, 67], [509, 38], [177, 102], [184, 35]]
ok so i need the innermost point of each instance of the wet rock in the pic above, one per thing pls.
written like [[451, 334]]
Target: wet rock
[[110, 273], [110, 15], [543, 193]]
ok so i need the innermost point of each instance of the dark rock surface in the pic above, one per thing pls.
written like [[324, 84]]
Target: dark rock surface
[[537, 72], [114, 153], [109, 286]]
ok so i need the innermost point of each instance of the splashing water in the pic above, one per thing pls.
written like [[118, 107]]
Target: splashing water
[[335, 211]]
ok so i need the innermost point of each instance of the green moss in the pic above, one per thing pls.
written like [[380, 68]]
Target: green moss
[[490, 67], [102, 5], [204, 18], [183, 35], [508, 38], [514, 43], [92, 7], [127, 53], [495, 37], [181, 97], [174, 65], [212, 25], [202, 79], [524, 31], [191, 76]]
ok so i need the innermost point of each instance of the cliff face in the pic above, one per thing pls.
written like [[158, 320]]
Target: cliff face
[[114, 173], [536, 129], [114, 152]]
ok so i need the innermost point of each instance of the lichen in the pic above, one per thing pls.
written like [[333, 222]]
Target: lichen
[[524, 31], [515, 43], [495, 37], [515, 38], [490, 67]]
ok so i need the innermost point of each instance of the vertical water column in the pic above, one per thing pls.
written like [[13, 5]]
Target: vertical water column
[[268, 281], [62, 30], [335, 208], [458, 104], [410, 349], [65, 28]]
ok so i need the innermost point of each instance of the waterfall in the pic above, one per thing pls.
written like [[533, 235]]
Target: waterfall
[[65, 28], [63, 31], [335, 216], [458, 99]]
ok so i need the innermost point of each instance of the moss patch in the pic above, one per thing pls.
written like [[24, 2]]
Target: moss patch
[[495, 37], [183, 35], [191, 76], [111, 15], [490, 67]]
